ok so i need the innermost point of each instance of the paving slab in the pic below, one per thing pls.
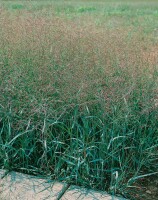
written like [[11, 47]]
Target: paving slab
[[18, 186], [78, 193]]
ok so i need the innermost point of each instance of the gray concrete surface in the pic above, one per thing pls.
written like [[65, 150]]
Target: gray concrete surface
[[18, 186]]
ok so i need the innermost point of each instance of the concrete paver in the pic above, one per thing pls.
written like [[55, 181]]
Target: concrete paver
[[18, 186], [75, 192]]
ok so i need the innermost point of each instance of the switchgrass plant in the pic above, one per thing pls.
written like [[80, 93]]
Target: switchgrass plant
[[78, 100]]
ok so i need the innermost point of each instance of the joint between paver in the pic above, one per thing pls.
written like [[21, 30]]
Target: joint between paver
[[61, 194]]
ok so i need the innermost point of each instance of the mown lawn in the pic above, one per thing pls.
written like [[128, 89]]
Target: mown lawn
[[79, 92]]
